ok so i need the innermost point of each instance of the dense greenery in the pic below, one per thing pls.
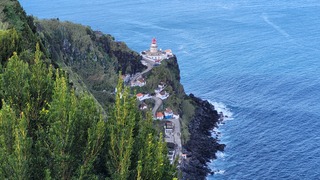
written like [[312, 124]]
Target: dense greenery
[[46, 130], [92, 58], [49, 129]]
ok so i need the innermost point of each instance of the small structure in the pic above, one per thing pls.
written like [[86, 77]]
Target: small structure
[[162, 85], [168, 128], [160, 88], [139, 96], [155, 55], [142, 97], [168, 52], [184, 156], [168, 113], [171, 155], [162, 95], [139, 82], [176, 116], [169, 125], [159, 115]]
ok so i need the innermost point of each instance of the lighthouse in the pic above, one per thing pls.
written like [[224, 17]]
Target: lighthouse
[[155, 55], [154, 46]]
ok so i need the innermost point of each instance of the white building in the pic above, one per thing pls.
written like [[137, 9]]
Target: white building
[[139, 82], [162, 95], [142, 97], [153, 54]]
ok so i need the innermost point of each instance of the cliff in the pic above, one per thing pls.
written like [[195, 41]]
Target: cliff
[[198, 118], [201, 147], [93, 61]]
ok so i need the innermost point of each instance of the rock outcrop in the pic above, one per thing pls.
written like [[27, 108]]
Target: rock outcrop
[[201, 147]]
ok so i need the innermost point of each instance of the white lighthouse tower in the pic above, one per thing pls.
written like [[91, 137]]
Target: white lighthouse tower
[[155, 55], [154, 46]]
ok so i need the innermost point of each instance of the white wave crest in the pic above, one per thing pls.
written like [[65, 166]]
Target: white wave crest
[[220, 107], [220, 155], [219, 171]]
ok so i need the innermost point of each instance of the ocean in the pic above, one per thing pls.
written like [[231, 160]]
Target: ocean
[[258, 60]]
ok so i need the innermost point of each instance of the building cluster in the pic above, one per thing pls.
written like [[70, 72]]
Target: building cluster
[[170, 119]]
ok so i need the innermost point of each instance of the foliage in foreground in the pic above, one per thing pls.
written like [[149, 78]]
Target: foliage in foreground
[[46, 130]]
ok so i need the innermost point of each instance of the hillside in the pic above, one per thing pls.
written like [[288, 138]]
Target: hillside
[[92, 58], [51, 126], [57, 88]]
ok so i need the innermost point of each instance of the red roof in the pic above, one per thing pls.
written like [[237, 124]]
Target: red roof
[[139, 95], [159, 114], [154, 41]]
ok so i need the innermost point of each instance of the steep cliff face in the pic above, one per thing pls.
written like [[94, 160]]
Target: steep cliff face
[[198, 117], [92, 59]]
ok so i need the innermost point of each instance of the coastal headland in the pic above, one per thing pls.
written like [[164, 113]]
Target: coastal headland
[[198, 147], [91, 62]]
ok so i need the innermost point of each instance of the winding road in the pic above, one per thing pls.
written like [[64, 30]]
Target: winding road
[[157, 104], [158, 101], [150, 65]]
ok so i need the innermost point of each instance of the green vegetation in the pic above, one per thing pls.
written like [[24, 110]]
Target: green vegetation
[[14, 18], [57, 82], [92, 59], [46, 130]]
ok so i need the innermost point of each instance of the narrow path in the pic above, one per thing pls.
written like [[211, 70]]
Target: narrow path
[[158, 101], [157, 104], [150, 65], [177, 136]]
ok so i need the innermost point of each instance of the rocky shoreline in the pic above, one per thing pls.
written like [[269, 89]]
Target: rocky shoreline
[[201, 147]]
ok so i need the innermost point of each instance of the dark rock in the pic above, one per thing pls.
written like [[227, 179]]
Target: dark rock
[[221, 147], [201, 145]]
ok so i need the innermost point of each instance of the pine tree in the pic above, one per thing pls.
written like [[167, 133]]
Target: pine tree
[[9, 42], [93, 148], [76, 132], [16, 88], [60, 123], [41, 84], [120, 132], [15, 145]]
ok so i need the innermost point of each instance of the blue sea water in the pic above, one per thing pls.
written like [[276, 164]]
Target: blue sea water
[[260, 58]]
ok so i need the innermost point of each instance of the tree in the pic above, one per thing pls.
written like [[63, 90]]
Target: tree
[[75, 135], [41, 85], [120, 132], [15, 145], [9, 41], [15, 84]]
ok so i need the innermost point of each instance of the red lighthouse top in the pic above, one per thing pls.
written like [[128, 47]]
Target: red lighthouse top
[[154, 41]]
